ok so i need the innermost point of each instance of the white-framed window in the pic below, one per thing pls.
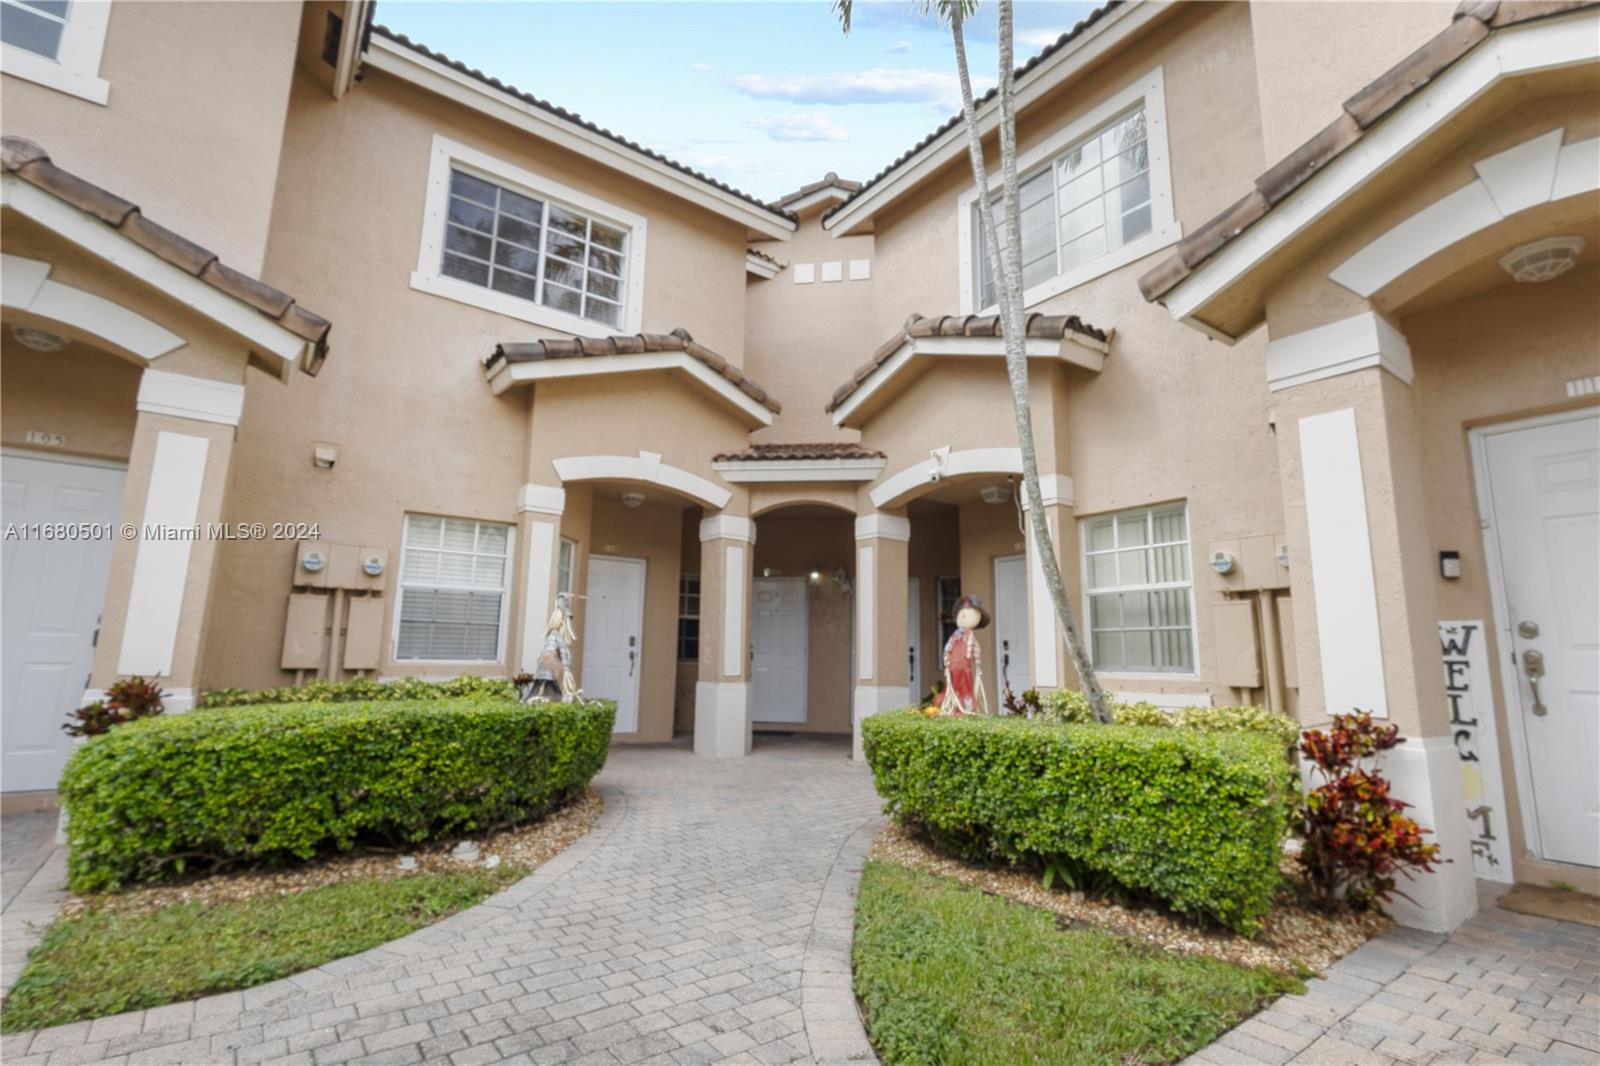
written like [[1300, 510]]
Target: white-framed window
[[56, 43], [508, 240], [453, 590], [688, 618], [565, 563], [1096, 195], [1140, 589]]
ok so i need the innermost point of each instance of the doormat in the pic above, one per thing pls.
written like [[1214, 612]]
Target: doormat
[[1560, 904]]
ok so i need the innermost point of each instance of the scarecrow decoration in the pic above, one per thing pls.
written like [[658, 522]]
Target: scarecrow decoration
[[963, 662], [552, 680]]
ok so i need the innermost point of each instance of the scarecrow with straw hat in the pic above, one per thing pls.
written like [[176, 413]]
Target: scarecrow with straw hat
[[963, 662], [552, 678]]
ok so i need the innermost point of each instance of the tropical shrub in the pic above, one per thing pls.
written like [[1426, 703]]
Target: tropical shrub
[[1065, 705], [1357, 836], [361, 689], [273, 782], [126, 701], [1194, 818]]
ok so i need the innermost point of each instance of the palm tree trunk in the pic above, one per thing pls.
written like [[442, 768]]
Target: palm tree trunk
[[1006, 266]]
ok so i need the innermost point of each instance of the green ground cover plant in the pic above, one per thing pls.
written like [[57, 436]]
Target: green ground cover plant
[[948, 974]]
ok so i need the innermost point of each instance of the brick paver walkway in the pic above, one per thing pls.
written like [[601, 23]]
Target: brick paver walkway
[[706, 919], [1503, 988]]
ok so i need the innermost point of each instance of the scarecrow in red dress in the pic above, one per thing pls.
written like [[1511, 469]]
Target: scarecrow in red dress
[[963, 662]]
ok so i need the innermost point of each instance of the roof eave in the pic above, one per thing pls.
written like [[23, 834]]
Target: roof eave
[[1111, 30], [503, 374], [404, 63]]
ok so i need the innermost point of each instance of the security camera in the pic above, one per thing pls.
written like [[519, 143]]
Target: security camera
[[934, 475]]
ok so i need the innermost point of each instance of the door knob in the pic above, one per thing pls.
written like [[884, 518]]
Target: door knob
[[1527, 630], [1533, 666]]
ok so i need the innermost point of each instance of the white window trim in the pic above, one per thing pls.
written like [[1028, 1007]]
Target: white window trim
[[76, 68], [1194, 605], [505, 594], [1164, 226], [447, 155]]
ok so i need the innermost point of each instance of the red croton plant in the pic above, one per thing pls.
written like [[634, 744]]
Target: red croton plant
[[126, 700], [1357, 836]]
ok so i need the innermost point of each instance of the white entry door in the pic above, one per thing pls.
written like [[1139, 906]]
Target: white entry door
[[914, 638], [1544, 492], [613, 636], [54, 590], [1011, 626], [779, 636]]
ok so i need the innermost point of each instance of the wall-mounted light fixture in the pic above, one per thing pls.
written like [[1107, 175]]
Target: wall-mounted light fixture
[[815, 577], [1450, 565]]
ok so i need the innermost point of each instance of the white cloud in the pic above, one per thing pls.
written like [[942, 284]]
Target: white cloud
[[1039, 38], [900, 47], [701, 68], [808, 127], [878, 86]]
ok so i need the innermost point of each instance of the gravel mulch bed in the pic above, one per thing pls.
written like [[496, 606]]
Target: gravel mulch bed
[[1294, 938], [523, 847]]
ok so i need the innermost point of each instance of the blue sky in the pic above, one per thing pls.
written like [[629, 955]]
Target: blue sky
[[765, 96]]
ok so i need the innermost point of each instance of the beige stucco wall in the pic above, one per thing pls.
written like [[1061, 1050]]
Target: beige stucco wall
[[803, 340], [1312, 57], [80, 392], [193, 125], [403, 395]]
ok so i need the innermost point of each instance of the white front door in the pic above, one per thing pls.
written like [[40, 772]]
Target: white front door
[[1011, 625], [613, 636], [1544, 500], [54, 589], [778, 668], [914, 638]]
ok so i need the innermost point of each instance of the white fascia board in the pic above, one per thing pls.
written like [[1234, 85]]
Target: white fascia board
[[761, 268], [506, 374], [1075, 348], [1514, 51], [103, 242], [355, 27], [1115, 27], [407, 65], [829, 194], [755, 470]]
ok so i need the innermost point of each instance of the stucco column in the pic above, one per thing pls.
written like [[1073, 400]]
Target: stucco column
[[539, 509], [722, 694], [882, 673], [1047, 644], [1362, 572], [157, 596]]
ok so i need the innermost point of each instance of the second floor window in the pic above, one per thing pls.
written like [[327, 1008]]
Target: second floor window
[[1088, 201], [534, 250], [34, 25]]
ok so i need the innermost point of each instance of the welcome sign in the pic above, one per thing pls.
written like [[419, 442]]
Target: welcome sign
[[1467, 690]]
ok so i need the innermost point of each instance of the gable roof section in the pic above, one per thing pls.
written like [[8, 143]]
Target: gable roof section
[[616, 350], [1473, 23], [30, 163], [831, 189], [387, 49], [1104, 26]]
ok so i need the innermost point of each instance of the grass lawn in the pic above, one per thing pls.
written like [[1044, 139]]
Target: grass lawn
[[103, 961], [950, 975]]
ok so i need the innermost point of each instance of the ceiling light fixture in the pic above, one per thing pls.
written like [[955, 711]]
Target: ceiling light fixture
[[995, 494], [633, 499], [40, 340], [1543, 259]]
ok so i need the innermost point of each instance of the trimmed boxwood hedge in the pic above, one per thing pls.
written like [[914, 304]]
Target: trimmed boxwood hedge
[[268, 782], [1196, 819]]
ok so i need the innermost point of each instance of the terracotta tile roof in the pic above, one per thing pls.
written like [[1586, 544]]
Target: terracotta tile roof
[[1021, 72], [822, 450], [1045, 327], [570, 116], [678, 340], [1473, 21], [29, 162], [830, 180], [763, 256]]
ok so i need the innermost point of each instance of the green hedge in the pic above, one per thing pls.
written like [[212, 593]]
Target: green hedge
[[361, 689], [1069, 705], [269, 782], [1196, 819]]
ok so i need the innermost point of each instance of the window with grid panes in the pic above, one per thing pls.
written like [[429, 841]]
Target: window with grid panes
[[569, 551], [34, 25], [1087, 201], [1141, 602], [534, 249], [453, 574], [688, 618]]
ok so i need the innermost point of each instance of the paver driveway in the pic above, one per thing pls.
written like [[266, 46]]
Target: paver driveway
[[707, 918]]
